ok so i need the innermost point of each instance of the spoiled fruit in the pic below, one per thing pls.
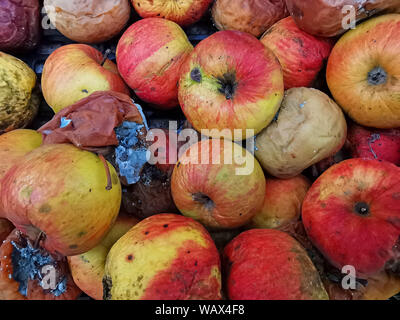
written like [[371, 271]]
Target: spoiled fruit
[[60, 191], [31, 273], [164, 257], [266, 264], [5, 229], [18, 102]]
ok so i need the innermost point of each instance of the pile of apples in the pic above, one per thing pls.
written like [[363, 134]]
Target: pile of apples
[[321, 104]]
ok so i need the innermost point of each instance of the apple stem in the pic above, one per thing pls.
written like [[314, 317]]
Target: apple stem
[[105, 56], [41, 236], [109, 183]]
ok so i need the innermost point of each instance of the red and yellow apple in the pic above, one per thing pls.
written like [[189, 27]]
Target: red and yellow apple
[[231, 81], [251, 16], [149, 57], [352, 215], [301, 55], [363, 72], [184, 12], [208, 185], [59, 194], [164, 257], [282, 202], [376, 144], [87, 269], [75, 71], [31, 273], [266, 264]]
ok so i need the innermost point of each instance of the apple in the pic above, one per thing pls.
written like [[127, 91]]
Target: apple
[[327, 18], [19, 100], [5, 229], [309, 127], [149, 57], [75, 71], [184, 12], [282, 202], [267, 264], [301, 55], [230, 81], [23, 266], [59, 194], [14, 145], [90, 21], [87, 269], [352, 214], [363, 72], [164, 257], [367, 143], [251, 16], [19, 25], [207, 184]]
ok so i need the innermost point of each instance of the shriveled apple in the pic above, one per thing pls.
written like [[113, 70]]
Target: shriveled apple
[[62, 195], [87, 269], [164, 257]]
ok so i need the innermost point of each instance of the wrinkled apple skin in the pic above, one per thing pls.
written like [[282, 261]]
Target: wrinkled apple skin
[[184, 12], [19, 25], [352, 215], [251, 16], [231, 81], [149, 57], [301, 55], [89, 21], [87, 269], [363, 72], [164, 257], [383, 145], [266, 264], [14, 145], [5, 229], [324, 17], [215, 194], [74, 71], [60, 190], [309, 127], [282, 202]]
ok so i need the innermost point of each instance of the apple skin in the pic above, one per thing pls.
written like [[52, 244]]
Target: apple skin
[[60, 190], [149, 57], [301, 55], [164, 257], [367, 143], [213, 193], [267, 264], [87, 269], [185, 13], [74, 71], [352, 215], [5, 229], [231, 81], [363, 72], [282, 202]]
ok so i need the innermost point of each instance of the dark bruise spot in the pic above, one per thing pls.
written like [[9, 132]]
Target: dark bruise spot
[[196, 263], [82, 233], [85, 91], [195, 75], [129, 257], [146, 233], [165, 225], [299, 41], [45, 208], [107, 285], [323, 205], [73, 246]]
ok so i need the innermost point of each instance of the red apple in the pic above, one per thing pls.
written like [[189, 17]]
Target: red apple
[[149, 57], [363, 72], [75, 71], [265, 264], [214, 191], [231, 81], [184, 12], [374, 144], [352, 215], [282, 202], [301, 55]]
